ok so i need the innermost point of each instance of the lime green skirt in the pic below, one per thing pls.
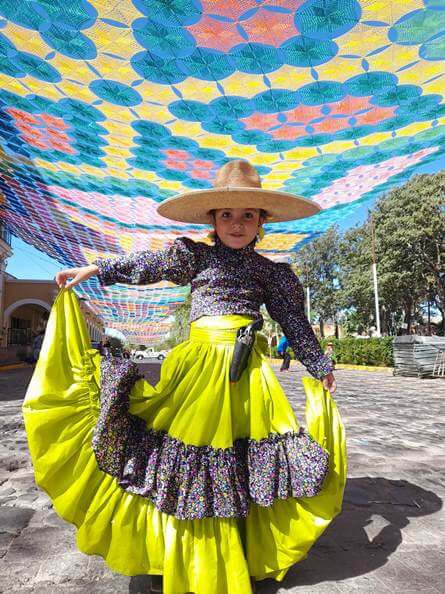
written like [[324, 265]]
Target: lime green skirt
[[194, 404]]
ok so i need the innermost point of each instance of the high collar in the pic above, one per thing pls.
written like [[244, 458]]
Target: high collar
[[225, 251]]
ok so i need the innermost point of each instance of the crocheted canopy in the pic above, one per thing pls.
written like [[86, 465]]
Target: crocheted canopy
[[108, 108]]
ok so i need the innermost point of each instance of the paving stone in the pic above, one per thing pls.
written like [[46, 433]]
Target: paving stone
[[16, 575], [97, 569], [400, 578], [5, 540], [40, 543], [11, 499], [13, 519], [25, 499], [117, 585], [22, 480], [319, 589], [63, 568]]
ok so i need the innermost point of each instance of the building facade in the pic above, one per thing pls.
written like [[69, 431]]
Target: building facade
[[24, 309]]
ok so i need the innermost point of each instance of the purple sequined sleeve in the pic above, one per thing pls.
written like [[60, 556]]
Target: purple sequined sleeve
[[285, 304], [175, 264]]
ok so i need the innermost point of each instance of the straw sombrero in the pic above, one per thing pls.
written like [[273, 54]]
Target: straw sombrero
[[237, 185]]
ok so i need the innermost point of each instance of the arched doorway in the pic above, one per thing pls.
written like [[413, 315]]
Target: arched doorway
[[23, 320]]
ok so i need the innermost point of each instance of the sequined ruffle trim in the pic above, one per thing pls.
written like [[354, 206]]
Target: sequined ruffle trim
[[193, 482]]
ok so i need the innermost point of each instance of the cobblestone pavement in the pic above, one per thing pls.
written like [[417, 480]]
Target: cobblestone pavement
[[389, 537]]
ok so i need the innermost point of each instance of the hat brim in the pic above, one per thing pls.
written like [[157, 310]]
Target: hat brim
[[195, 207]]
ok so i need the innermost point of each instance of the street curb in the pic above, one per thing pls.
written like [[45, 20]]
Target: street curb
[[348, 366], [12, 366], [364, 367]]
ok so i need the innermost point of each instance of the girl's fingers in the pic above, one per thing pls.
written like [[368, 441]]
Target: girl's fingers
[[59, 280], [76, 280], [61, 277], [329, 383]]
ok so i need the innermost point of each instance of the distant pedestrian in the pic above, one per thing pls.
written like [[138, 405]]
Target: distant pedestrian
[[37, 345], [283, 351], [104, 347], [330, 353]]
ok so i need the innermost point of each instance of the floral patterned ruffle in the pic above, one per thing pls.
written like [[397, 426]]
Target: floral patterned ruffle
[[193, 482]]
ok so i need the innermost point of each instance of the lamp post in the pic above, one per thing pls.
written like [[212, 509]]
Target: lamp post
[[308, 293], [374, 276]]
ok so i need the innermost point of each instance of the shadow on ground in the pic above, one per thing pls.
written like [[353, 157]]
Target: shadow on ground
[[359, 540], [364, 535]]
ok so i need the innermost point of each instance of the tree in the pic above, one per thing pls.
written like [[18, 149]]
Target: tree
[[115, 343], [410, 244], [181, 325], [357, 295], [318, 268], [271, 329], [409, 231]]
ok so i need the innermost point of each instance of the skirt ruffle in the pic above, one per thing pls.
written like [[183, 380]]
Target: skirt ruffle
[[203, 423], [196, 481]]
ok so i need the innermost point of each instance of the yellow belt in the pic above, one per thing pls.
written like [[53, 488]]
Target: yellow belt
[[206, 330]]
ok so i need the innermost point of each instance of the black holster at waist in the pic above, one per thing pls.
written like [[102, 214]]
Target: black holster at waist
[[245, 338]]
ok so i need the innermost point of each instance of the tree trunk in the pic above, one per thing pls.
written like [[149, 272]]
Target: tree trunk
[[408, 315], [321, 327], [336, 330]]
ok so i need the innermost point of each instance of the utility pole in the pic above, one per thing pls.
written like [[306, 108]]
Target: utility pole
[[308, 300], [374, 276], [308, 293]]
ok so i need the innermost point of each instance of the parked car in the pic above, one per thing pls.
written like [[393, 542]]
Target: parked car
[[149, 353]]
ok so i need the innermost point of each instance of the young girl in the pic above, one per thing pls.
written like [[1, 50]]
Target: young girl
[[207, 482]]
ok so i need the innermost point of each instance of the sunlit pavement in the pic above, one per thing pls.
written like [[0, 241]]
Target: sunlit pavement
[[389, 537]]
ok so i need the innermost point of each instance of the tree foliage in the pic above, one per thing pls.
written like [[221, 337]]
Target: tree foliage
[[318, 266], [409, 225], [181, 325], [410, 243], [356, 279], [115, 344]]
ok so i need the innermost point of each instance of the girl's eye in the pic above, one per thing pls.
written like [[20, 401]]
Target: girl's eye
[[225, 215], [248, 215]]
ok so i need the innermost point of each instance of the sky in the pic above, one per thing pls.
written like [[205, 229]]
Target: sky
[[28, 262]]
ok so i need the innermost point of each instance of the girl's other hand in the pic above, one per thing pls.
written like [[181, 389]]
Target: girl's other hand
[[78, 275], [329, 383]]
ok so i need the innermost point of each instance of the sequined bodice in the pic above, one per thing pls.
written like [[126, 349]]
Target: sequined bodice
[[226, 281]]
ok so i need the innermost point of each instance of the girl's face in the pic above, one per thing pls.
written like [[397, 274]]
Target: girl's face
[[237, 227]]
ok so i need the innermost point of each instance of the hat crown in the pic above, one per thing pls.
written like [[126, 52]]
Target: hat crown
[[237, 185], [237, 174]]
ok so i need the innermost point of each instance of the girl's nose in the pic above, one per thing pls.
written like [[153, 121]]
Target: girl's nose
[[237, 224]]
